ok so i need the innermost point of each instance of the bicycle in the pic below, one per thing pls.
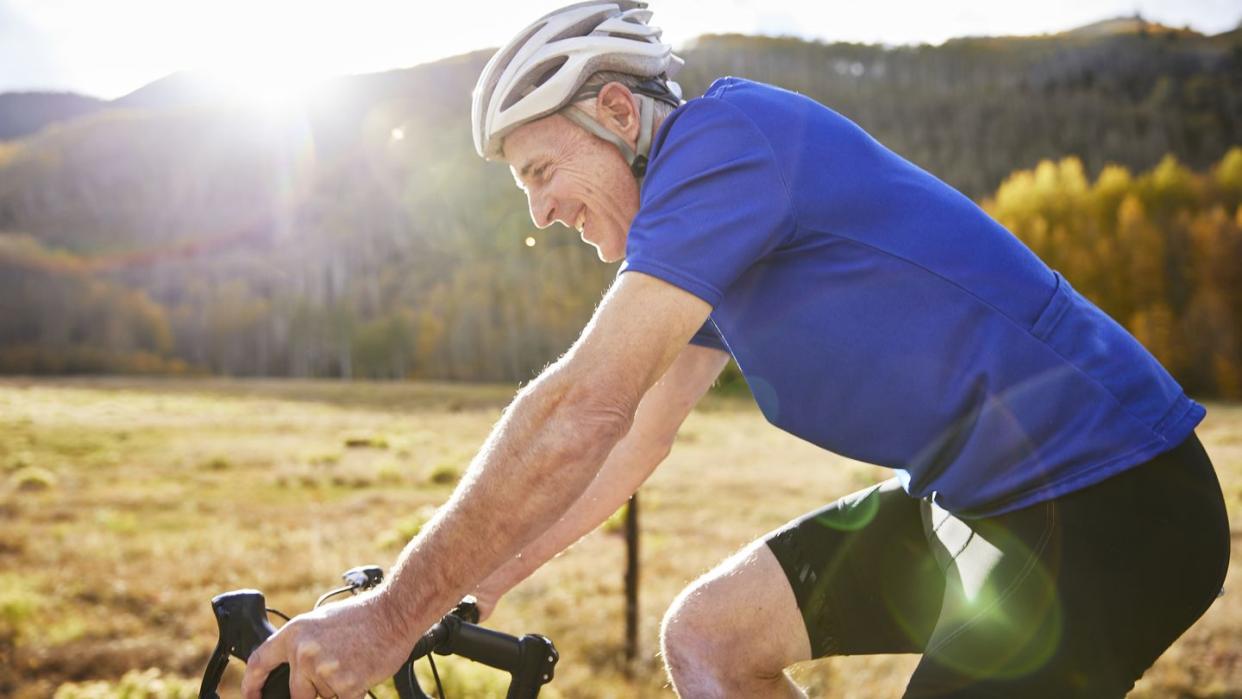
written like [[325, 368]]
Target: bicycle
[[242, 618]]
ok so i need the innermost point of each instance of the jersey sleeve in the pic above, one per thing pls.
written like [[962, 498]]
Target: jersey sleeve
[[713, 204], [709, 336]]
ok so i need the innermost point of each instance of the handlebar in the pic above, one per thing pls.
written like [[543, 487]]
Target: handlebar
[[529, 660], [242, 618]]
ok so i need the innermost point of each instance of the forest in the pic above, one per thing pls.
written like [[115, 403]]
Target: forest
[[1160, 252], [359, 236]]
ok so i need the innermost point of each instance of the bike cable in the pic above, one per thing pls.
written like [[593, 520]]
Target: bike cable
[[436, 675]]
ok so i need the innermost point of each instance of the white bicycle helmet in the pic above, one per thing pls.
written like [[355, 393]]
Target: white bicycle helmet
[[543, 68]]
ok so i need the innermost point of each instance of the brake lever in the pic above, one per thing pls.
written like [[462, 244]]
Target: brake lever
[[242, 618]]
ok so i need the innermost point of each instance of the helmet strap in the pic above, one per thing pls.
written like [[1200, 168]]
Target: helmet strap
[[636, 159]]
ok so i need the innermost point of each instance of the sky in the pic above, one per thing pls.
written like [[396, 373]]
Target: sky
[[107, 49]]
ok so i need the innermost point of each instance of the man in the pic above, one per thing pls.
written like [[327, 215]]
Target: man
[[1054, 524]]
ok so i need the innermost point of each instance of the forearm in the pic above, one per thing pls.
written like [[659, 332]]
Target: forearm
[[539, 458], [545, 450], [629, 464]]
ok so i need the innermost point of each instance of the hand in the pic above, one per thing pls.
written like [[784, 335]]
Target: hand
[[339, 650], [486, 603], [487, 595]]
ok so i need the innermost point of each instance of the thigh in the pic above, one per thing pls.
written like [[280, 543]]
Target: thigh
[[862, 573], [1001, 619], [1077, 597]]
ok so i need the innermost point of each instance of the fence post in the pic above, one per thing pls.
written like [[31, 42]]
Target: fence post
[[631, 582]]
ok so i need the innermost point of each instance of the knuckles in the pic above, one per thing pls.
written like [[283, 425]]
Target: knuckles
[[306, 651], [321, 654]]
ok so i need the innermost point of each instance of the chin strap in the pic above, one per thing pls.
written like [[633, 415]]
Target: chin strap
[[636, 158]]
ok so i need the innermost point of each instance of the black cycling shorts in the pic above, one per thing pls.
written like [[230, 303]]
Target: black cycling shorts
[[1073, 597]]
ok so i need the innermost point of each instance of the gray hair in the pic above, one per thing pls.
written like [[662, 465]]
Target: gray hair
[[603, 77]]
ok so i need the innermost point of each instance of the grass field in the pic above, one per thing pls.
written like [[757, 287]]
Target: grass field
[[126, 504]]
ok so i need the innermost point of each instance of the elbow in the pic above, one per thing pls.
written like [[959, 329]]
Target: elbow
[[596, 419], [603, 422], [584, 415], [661, 448]]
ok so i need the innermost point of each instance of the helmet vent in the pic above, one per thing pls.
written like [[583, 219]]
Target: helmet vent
[[581, 28], [513, 48], [542, 73], [553, 66]]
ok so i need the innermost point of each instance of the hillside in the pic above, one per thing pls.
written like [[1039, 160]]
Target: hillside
[[974, 109], [23, 113], [362, 236], [1126, 25]]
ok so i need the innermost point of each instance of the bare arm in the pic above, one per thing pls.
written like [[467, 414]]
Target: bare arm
[[630, 463], [547, 448], [540, 457]]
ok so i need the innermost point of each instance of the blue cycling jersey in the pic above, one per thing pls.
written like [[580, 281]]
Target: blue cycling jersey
[[877, 312]]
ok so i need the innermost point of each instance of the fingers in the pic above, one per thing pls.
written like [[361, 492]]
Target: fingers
[[311, 675], [303, 675], [323, 660], [485, 610], [302, 687], [262, 661]]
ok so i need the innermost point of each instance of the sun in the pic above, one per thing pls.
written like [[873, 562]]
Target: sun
[[264, 87], [268, 55]]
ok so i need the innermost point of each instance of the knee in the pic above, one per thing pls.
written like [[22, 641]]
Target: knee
[[686, 635], [709, 630]]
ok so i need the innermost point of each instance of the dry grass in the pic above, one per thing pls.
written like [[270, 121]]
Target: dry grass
[[126, 504]]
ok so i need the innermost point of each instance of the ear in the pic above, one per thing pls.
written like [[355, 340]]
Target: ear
[[616, 109]]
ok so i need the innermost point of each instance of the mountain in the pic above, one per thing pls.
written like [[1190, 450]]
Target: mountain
[[361, 235], [1228, 39], [23, 113], [181, 89], [1126, 25], [973, 109]]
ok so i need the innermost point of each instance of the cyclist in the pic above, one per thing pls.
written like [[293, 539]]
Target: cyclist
[[1054, 524]]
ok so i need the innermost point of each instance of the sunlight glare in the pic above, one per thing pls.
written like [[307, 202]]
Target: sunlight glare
[[111, 48], [274, 54], [263, 88]]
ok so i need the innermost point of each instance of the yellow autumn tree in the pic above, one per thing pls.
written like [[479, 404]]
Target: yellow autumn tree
[[1160, 251]]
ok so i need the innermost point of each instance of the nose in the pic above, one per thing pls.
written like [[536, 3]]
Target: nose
[[542, 208]]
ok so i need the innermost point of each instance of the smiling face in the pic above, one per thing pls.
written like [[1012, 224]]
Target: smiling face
[[575, 178]]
